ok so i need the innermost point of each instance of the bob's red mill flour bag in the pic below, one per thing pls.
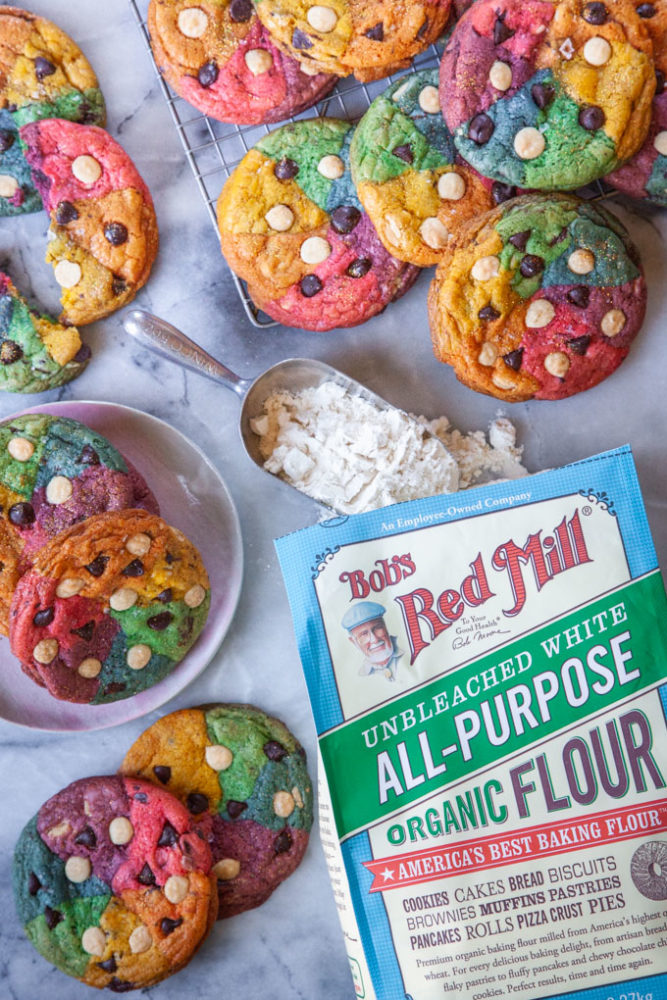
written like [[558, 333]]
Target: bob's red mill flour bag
[[485, 672]]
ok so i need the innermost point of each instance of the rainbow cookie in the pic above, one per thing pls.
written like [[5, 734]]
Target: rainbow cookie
[[109, 607], [540, 298], [113, 883], [244, 776], [548, 95]]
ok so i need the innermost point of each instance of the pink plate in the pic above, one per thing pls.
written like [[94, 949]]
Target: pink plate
[[192, 497]]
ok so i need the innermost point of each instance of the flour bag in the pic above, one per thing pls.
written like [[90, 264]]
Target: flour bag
[[485, 673]]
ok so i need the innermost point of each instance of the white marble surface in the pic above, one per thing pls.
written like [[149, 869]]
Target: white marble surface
[[290, 947]]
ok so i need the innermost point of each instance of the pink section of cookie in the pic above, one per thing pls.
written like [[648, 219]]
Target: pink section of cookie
[[635, 175]]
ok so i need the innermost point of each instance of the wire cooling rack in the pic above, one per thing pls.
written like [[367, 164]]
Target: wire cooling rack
[[214, 148]]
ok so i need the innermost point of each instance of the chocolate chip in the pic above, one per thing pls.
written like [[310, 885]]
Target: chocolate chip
[[481, 129], [513, 359], [66, 212], [310, 285], [234, 808], [282, 842], [274, 750], [43, 67], [6, 140], [169, 835], [579, 296], [85, 632], [240, 10], [502, 192], [160, 622], [208, 73], [404, 153], [21, 514], [135, 568], [34, 885], [163, 773], [520, 240], [579, 345], [595, 13], [197, 802], [114, 688], [543, 94], [286, 169], [500, 30], [118, 285], [146, 876], [98, 565], [359, 267], [83, 354], [43, 617], [488, 312], [165, 596], [88, 456], [115, 233], [592, 118], [10, 352], [120, 985], [168, 926], [109, 965], [345, 218], [87, 837], [169, 558], [140, 797], [531, 265], [52, 917], [646, 10], [659, 82], [376, 33], [300, 40]]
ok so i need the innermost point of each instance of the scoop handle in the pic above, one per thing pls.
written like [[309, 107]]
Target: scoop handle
[[166, 340]]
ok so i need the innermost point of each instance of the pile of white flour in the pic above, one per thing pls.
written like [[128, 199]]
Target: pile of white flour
[[344, 451]]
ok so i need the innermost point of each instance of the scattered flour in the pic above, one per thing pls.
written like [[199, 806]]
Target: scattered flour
[[344, 451]]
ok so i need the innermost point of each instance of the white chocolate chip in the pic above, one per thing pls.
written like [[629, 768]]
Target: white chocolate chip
[[539, 314], [195, 596], [485, 268], [59, 830], [557, 364], [140, 940], [331, 167], [45, 651], [258, 61], [660, 143], [192, 22], [138, 656], [121, 830], [613, 322], [90, 667], [400, 91], [297, 796], [123, 598], [529, 143], [309, 70], [21, 449], [59, 490], [86, 808], [86, 169], [139, 544], [226, 869], [581, 262], [77, 869], [8, 186], [94, 941], [67, 273], [283, 804], [488, 354], [500, 75], [451, 186], [392, 224], [314, 250], [218, 757], [434, 233], [597, 51], [280, 218], [176, 888], [70, 586], [502, 382], [567, 49], [429, 100], [322, 18]]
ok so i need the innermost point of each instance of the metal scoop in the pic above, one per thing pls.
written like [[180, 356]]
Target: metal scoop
[[293, 375]]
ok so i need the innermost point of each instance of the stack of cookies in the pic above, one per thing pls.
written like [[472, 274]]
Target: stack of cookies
[[101, 598], [55, 154]]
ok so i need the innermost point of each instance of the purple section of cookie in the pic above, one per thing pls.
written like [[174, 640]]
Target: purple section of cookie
[[633, 178], [267, 858]]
